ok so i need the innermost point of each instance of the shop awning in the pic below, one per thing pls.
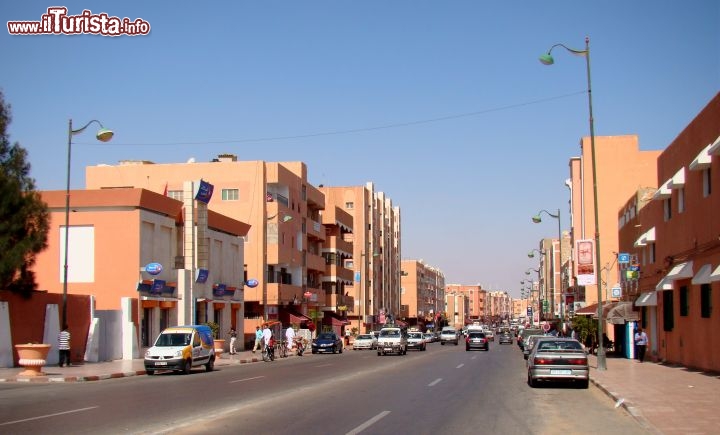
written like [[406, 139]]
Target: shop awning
[[703, 275], [715, 276], [679, 271], [622, 313], [335, 319], [647, 299]]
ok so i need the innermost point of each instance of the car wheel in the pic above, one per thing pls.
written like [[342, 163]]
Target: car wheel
[[210, 365], [456, 343], [187, 367], [442, 343], [150, 372], [467, 348], [341, 349], [314, 352], [379, 353], [532, 382], [584, 384]]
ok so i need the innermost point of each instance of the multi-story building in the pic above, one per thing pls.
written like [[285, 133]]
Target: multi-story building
[[456, 309], [671, 235], [620, 168], [422, 293], [283, 249], [375, 258], [476, 298]]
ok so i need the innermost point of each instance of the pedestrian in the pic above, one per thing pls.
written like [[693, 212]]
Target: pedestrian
[[267, 335], [64, 346], [258, 339], [641, 341], [290, 337], [233, 337]]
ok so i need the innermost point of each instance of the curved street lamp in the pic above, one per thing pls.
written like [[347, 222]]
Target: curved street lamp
[[531, 254], [547, 59], [103, 135]]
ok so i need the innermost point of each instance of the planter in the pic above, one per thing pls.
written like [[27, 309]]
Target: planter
[[219, 346], [32, 357]]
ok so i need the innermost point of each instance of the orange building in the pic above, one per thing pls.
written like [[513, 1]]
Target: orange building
[[422, 292], [672, 234], [476, 300], [621, 168]]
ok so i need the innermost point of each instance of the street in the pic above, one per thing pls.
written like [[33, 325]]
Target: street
[[444, 389]]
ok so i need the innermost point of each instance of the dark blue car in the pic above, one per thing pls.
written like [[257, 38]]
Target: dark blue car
[[327, 342]]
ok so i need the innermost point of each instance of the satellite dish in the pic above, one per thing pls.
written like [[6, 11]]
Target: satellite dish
[[191, 160]]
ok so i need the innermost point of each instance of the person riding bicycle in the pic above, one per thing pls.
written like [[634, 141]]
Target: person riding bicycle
[[268, 341]]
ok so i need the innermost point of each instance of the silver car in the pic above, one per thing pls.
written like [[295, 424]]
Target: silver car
[[558, 359], [365, 341]]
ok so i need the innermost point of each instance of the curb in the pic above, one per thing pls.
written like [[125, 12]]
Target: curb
[[621, 402]]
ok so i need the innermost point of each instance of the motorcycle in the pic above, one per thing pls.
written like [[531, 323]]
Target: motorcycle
[[300, 346]]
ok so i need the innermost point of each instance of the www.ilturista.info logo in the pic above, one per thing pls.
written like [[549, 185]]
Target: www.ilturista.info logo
[[58, 22]]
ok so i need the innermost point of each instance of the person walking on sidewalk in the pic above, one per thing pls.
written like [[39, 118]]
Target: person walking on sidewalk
[[641, 341], [233, 338], [290, 338], [258, 339], [64, 346]]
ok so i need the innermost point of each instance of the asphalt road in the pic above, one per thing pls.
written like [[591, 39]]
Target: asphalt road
[[442, 390]]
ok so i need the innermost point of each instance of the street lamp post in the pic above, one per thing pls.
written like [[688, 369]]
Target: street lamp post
[[547, 59], [103, 135], [536, 219]]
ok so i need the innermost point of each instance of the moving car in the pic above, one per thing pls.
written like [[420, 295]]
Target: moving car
[[365, 341], [392, 339], [558, 359], [327, 342], [180, 348], [505, 338], [476, 340], [416, 340], [449, 335], [430, 337]]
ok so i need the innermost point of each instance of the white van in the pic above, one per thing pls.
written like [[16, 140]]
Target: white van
[[180, 348]]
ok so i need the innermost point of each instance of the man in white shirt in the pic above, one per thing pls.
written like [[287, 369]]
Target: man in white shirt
[[267, 334], [290, 337]]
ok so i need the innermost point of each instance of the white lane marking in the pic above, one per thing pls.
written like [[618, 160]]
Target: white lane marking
[[247, 379], [48, 415], [435, 382], [368, 423], [460, 366], [324, 365]]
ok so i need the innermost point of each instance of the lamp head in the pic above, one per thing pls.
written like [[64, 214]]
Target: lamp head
[[531, 254], [104, 135], [527, 272], [287, 218], [546, 59], [536, 219]]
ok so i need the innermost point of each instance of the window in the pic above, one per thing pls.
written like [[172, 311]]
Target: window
[[681, 200], [668, 320], [349, 205], [706, 175], [175, 194], [705, 301], [684, 301], [667, 208], [230, 194]]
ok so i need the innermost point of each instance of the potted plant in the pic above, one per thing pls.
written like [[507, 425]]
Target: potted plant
[[33, 357], [219, 342]]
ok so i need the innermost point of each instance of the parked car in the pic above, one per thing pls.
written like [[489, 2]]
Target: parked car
[[529, 343], [327, 342], [505, 338], [522, 335], [365, 341], [449, 335], [558, 359], [476, 340], [180, 348], [416, 340]]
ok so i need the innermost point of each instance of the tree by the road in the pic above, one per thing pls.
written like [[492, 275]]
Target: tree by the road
[[24, 219]]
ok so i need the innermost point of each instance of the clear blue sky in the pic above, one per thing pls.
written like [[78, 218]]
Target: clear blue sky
[[216, 77]]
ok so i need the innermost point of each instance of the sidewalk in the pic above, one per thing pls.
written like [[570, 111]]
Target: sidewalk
[[112, 369], [665, 399]]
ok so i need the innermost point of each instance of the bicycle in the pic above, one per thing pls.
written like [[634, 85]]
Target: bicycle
[[268, 353], [282, 350]]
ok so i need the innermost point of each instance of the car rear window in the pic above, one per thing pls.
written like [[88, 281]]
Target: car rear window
[[560, 345], [477, 334]]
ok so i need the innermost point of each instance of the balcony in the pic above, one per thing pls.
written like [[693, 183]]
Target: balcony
[[335, 273], [340, 245], [315, 197], [333, 301], [281, 294], [315, 230], [315, 262]]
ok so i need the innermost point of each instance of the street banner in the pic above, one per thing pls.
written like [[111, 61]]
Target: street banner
[[585, 251]]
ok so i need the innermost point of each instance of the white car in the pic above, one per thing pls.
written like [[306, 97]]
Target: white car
[[449, 335], [365, 341], [416, 340]]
